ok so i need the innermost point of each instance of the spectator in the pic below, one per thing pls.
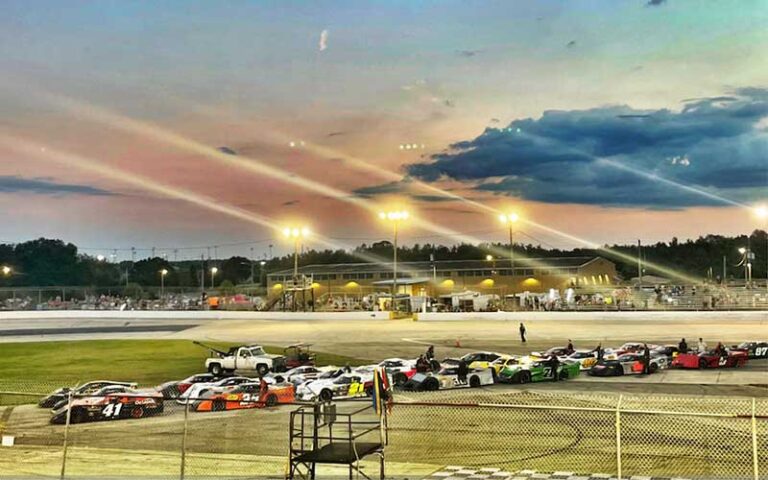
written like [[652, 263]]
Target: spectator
[[522, 332]]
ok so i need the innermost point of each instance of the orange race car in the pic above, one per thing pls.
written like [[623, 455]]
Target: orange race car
[[246, 395]]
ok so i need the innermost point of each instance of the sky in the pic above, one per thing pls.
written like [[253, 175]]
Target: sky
[[184, 125]]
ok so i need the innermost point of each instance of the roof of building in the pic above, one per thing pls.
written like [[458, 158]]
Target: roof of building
[[554, 262]]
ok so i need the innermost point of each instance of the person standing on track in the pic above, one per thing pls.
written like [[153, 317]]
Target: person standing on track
[[646, 360], [702, 346], [462, 371], [682, 347], [522, 332], [569, 348], [554, 364], [599, 352], [430, 355]]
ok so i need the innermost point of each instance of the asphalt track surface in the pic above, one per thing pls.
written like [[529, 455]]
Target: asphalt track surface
[[102, 329]]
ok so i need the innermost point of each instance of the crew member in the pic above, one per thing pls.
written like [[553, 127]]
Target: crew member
[[263, 390], [522, 332], [702, 346], [430, 353], [599, 351], [682, 347], [569, 348], [463, 370], [646, 360], [554, 364]]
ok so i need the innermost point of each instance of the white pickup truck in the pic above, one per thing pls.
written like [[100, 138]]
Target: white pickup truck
[[247, 358]]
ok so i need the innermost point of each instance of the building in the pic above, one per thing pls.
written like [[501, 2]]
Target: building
[[534, 275]]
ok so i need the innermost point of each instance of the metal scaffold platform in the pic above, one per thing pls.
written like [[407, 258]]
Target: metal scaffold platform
[[321, 435]]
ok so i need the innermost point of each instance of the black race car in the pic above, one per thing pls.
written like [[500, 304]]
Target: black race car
[[753, 349], [62, 394]]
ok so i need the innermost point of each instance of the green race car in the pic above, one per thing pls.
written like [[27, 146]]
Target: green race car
[[538, 372]]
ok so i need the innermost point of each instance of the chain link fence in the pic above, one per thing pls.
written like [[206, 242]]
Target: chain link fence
[[618, 435]]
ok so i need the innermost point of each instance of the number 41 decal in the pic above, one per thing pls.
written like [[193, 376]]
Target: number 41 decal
[[112, 410]]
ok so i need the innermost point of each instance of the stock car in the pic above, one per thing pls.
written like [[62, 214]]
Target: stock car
[[347, 385], [585, 358], [448, 377], [198, 389], [173, 389], [245, 396], [113, 402], [538, 371], [753, 349], [667, 351], [299, 375], [400, 370], [507, 360], [627, 364], [474, 359], [62, 394], [711, 359], [559, 352]]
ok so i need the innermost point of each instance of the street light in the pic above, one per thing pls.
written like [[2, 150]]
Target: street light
[[395, 217], [489, 258], [296, 234], [509, 219], [213, 275], [7, 270], [761, 212], [163, 273]]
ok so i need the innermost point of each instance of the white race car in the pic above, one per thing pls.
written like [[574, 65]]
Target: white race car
[[197, 390], [299, 375], [585, 358], [448, 377], [347, 385]]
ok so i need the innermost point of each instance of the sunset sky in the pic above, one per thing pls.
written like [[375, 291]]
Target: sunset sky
[[185, 124]]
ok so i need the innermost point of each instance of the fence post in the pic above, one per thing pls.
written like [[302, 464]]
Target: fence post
[[66, 435], [618, 437], [184, 439], [755, 467]]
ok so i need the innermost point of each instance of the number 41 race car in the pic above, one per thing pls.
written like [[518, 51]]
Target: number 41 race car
[[110, 403]]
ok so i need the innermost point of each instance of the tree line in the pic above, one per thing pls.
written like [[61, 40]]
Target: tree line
[[50, 262]]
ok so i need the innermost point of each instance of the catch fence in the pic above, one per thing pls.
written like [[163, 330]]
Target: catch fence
[[618, 435]]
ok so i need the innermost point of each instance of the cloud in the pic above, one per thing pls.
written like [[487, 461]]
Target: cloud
[[495, 120], [571, 44], [467, 53], [559, 157], [400, 187], [323, 43], [290, 203], [655, 3], [336, 134], [39, 186]]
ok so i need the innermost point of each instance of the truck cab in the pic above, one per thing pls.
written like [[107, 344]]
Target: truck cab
[[247, 358]]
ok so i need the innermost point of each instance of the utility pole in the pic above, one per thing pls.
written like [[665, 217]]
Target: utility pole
[[639, 264], [724, 271]]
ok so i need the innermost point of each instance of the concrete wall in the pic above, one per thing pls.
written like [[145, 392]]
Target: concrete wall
[[751, 315], [188, 315]]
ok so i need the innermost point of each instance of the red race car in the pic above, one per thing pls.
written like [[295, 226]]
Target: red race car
[[245, 396], [711, 359]]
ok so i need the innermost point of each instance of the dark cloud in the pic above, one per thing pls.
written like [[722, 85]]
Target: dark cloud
[[382, 189], [449, 103], [561, 156], [16, 184], [655, 3], [495, 120], [467, 53], [290, 203], [336, 134], [227, 150], [571, 44]]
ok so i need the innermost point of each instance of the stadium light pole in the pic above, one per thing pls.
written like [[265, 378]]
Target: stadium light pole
[[214, 270], [761, 212], [509, 219], [395, 217], [7, 271], [163, 273], [296, 234]]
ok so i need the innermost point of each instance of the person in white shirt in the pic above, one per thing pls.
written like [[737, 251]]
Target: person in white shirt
[[702, 346]]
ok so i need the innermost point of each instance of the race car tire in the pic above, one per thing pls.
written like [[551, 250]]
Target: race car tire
[[326, 395], [494, 375], [76, 416], [137, 412], [563, 375], [368, 391], [525, 377], [262, 369], [702, 363], [215, 369], [653, 368], [218, 406], [430, 384], [474, 381], [271, 400], [399, 379]]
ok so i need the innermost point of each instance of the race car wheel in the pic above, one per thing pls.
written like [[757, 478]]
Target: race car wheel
[[563, 375], [474, 381], [702, 363], [137, 412], [525, 377], [271, 400], [430, 384], [262, 369], [399, 379], [215, 369], [218, 406], [369, 391], [326, 395], [76, 416], [653, 368]]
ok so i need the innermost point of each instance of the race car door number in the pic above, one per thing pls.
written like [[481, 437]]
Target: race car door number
[[112, 410]]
